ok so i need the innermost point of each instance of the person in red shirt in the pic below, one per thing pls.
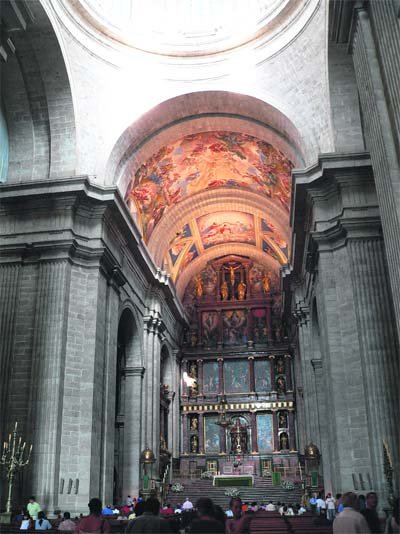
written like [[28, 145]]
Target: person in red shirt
[[93, 523]]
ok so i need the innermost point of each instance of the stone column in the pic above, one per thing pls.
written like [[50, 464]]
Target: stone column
[[292, 432], [252, 375], [222, 439], [200, 377], [201, 433], [132, 429], [275, 427], [185, 433], [272, 368], [375, 51], [289, 378], [221, 387], [379, 349], [253, 425], [185, 369]]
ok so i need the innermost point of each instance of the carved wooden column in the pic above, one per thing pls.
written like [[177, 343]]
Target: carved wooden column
[[253, 424], [185, 433], [200, 377], [275, 427], [272, 360], [252, 375], [292, 432], [289, 378], [201, 433], [220, 375]]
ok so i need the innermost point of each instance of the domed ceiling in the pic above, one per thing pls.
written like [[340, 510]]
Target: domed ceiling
[[183, 27], [211, 194]]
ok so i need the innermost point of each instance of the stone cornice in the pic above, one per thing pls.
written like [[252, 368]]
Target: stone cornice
[[71, 218]]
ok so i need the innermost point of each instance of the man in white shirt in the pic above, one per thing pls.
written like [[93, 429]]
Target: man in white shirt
[[320, 505], [187, 505], [330, 507], [270, 507]]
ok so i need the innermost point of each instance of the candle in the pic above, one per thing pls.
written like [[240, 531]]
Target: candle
[[16, 424]]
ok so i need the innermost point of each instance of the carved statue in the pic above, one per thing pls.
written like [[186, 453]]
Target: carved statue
[[281, 385], [283, 441], [241, 290], [266, 283], [194, 423], [194, 445], [282, 420], [199, 286], [280, 366], [224, 290]]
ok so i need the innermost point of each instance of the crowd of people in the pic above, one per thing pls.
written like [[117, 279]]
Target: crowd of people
[[348, 513]]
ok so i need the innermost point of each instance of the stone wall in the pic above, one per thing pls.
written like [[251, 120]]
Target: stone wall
[[66, 279], [344, 295]]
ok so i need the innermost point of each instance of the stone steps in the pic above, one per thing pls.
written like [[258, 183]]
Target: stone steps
[[262, 492]]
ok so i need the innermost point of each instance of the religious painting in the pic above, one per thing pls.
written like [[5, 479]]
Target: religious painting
[[226, 227], [210, 328], [191, 254], [234, 324], [262, 373], [265, 432], [211, 434], [210, 377], [179, 242], [268, 249], [260, 326], [237, 376]]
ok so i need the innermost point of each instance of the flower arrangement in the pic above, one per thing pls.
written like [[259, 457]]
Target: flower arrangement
[[287, 485], [177, 487], [232, 492]]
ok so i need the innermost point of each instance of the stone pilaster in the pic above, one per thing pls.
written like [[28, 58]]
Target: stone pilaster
[[253, 425], [271, 358], [200, 377], [201, 433], [221, 387], [185, 433], [132, 429], [48, 362]]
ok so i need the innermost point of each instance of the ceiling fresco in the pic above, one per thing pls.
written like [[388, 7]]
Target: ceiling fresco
[[219, 161], [224, 227], [207, 160]]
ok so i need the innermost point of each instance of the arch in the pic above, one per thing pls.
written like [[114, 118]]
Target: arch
[[200, 112], [40, 115]]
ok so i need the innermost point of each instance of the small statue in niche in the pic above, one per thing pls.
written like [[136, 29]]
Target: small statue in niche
[[266, 283], [241, 290], [278, 333], [199, 286], [224, 290], [281, 385], [193, 338], [193, 370], [194, 423], [193, 374], [280, 366], [282, 419], [163, 444], [194, 445], [283, 441]]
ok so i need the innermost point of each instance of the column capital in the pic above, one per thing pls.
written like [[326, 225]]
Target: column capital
[[271, 357], [250, 357], [220, 359]]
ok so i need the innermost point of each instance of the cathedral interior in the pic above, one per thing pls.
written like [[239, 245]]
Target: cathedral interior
[[200, 244]]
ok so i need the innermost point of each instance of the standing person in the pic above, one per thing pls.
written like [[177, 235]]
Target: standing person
[[42, 523], [350, 521], [330, 507], [93, 522], [129, 501], [321, 506], [33, 508], [313, 503], [370, 512]]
